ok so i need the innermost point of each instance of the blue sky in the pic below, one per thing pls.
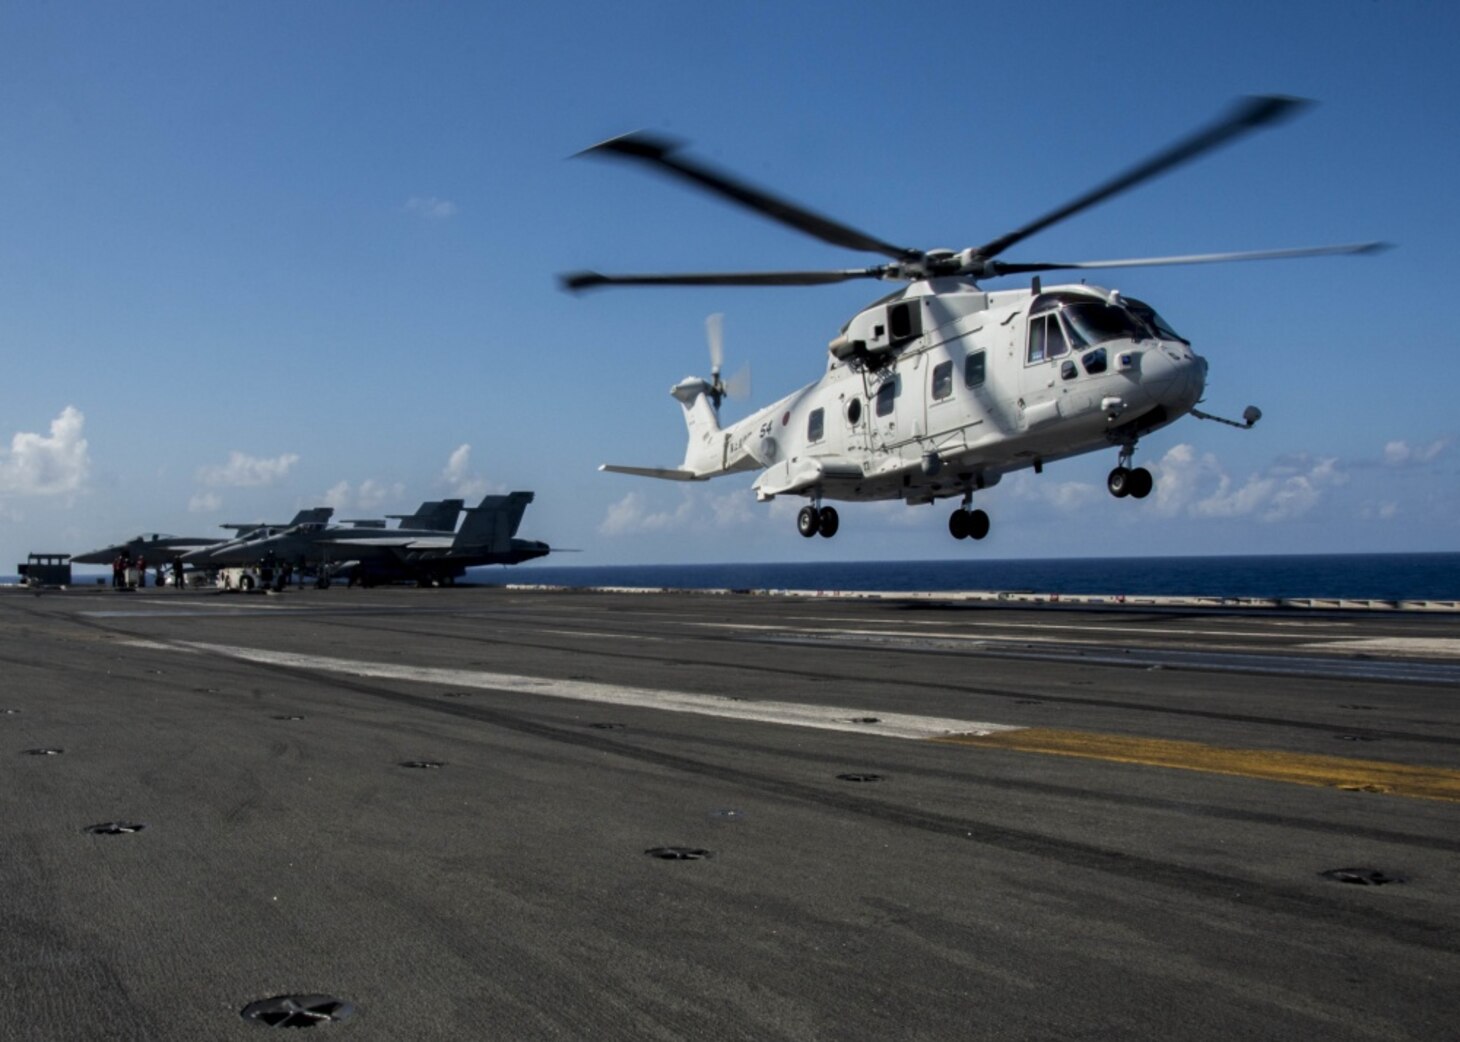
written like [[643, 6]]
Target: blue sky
[[272, 255]]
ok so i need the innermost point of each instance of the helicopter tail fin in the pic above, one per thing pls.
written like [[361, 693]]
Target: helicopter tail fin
[[702, 453]]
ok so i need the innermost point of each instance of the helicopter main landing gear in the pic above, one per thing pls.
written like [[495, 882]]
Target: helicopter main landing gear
[[813, 520], [968, 524], [1124, 481]]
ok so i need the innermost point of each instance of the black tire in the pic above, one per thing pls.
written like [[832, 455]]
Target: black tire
[[828, 522], [958, 524], [808, 520], [245, 583], [1118, 482], [1141, 483], [978, 524]]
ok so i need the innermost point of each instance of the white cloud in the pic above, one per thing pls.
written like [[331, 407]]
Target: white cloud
[[458, 474], [244, 471], [1066, 497], [1402, 454], [338, 496], [698, 510], [47, 465], [632, 515], [205, 503], [370, 495], [1199, 486], [431, 208]]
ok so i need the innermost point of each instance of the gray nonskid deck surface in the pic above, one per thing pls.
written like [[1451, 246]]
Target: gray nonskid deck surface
[[967, 892]]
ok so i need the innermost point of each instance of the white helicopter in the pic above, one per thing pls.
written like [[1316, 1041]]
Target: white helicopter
[[941, 388]]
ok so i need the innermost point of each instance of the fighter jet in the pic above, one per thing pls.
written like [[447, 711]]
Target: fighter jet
[[403, 554], [292, 544], [158, 546]]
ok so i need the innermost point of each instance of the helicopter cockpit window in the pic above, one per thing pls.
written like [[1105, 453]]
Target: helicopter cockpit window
[[1046, 338], [816, 425], [1095, 322], [886, 396], [1159, 326], [973, 370], [942, 380]]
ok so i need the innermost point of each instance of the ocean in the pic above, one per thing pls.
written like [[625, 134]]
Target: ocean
[[1431, 576]]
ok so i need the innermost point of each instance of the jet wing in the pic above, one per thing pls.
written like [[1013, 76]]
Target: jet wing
[[387, 542]]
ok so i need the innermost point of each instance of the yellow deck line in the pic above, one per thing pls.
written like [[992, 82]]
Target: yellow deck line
[[1430, 783]]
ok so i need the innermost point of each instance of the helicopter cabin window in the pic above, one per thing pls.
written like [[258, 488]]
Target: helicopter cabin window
[[973, 370], [1094, 361], [1046, 338], [886, 396], [1068, 370], [816, 425], [942, 380], [854, 411]]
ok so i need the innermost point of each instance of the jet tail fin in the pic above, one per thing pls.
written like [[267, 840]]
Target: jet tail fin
[[493, 522], [432, 516]]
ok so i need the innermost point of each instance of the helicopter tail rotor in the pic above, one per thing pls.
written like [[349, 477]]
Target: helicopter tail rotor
[[738, 385]]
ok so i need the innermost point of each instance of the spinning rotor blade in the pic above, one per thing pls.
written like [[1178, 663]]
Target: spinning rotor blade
[[715, 334], [581, 280], [1249, 115], [997, 268], [738, 386], [662, 154]]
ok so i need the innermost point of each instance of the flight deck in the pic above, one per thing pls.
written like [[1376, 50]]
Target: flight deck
[[544, 814]]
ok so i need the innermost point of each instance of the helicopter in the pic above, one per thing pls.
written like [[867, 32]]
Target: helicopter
[[941, 388]]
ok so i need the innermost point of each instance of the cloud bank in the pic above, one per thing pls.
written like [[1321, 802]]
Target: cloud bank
[[47, 464], [244, 471]]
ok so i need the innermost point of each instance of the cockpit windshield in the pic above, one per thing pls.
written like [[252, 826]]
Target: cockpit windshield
[[1159, 326], [1095, 322]]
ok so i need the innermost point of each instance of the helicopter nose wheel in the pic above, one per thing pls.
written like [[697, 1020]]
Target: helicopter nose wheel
[[968, 524], [1124, 481]]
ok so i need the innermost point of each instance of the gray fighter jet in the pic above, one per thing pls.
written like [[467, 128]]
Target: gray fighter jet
[[371, 555], [292, 544], [158, 546]]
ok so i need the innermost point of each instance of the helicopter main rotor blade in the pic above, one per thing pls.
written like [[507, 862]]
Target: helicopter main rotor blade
[[997, 268], [1249, 115], [662, 154], [581, 280]]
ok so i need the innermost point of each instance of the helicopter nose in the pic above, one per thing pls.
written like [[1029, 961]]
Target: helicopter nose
[[1174, 375]]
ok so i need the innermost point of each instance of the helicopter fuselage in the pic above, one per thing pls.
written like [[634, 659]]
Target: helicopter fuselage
[[943, 388]]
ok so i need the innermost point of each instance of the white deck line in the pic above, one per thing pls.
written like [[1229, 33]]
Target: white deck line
[[795, 714]]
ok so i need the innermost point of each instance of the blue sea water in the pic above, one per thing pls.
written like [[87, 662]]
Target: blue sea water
[[1432, 576]]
